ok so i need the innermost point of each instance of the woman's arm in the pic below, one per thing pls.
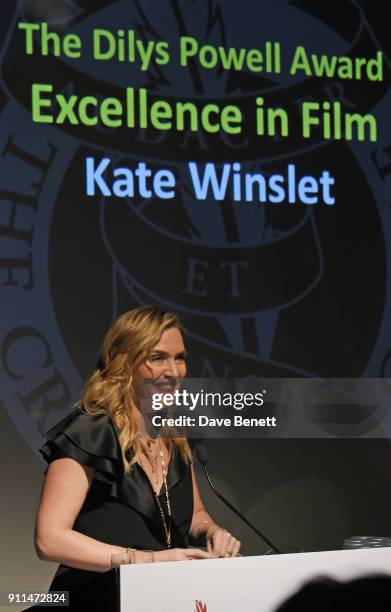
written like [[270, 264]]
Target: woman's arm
[[201, 520], [65, 489], [218, 540]]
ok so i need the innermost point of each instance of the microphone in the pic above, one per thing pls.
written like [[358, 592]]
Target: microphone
[[202, 457]]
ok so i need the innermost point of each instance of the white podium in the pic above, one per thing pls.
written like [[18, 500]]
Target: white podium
[[251, 584]]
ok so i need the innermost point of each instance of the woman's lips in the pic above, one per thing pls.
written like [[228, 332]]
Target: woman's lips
[[165, 387]]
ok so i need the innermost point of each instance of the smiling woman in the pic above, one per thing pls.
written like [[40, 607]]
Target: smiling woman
[[111, 491]]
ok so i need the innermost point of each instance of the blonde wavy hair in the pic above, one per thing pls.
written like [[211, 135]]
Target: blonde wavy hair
[[110, 389]]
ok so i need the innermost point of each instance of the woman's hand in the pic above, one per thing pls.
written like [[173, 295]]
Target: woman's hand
[[221, 543], [181, 554]]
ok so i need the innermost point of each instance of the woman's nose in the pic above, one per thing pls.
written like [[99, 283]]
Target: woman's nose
[[171, 369]]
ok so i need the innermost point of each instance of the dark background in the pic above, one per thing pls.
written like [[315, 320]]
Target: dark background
[[90, 265]]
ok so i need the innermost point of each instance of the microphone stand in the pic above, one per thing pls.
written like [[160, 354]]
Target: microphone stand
[[203, 462]]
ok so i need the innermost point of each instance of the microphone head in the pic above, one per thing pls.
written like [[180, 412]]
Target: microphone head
[[202, 454]]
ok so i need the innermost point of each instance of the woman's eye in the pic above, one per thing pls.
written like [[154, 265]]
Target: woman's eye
[[158, 358]]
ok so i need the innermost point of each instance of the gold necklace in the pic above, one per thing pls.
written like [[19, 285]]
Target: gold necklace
[[166, 524], [151, 458]]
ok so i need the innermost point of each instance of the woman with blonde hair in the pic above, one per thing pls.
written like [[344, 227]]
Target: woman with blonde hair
[[111, 491]]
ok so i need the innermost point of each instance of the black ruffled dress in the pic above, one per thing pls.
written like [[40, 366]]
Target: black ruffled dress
[[120, 508]]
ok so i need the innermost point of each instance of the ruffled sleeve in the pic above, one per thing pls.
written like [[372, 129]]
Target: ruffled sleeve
[[89, 439], [92, 441]]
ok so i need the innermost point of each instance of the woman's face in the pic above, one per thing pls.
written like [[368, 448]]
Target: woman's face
[[165, 366]]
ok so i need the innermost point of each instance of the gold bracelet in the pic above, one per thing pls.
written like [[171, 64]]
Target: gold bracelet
[[126, 559], [213, 527], [143, 556]]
